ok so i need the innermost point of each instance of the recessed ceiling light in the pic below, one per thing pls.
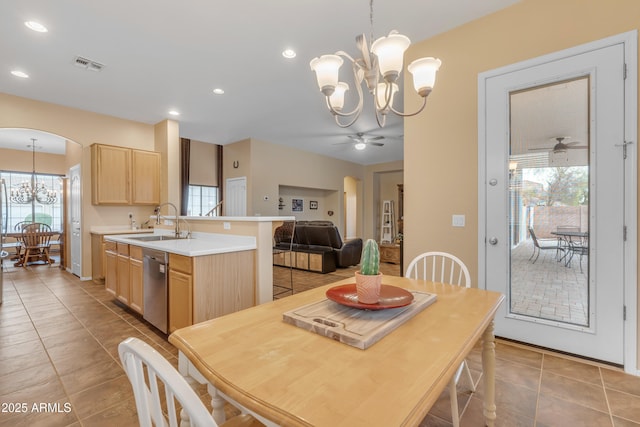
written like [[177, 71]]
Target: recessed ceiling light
[[289, 53], [20, 74], [36, 26], [360, 146], [218, 91], [174, 113]]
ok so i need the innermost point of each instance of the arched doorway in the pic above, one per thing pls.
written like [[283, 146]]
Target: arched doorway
[[48, 158]]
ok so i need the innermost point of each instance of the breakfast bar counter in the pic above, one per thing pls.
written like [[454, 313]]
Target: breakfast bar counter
[[198, 245]]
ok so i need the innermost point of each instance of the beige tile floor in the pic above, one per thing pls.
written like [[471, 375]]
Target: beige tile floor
[[58, 347]]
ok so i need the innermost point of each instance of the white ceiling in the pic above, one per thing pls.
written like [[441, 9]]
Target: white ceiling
[[162, 55]]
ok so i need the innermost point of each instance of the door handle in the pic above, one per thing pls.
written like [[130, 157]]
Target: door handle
[[493, 241]]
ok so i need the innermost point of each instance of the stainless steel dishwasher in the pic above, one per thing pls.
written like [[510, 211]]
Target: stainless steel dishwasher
[[155, 265]]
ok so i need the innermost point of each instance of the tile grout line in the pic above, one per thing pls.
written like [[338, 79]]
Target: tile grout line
[[535, 415], [606, 396], [53, 366], [84, 326]]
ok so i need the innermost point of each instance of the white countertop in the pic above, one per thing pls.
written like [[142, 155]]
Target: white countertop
[[256, 218], [117, 229], [200, 243]]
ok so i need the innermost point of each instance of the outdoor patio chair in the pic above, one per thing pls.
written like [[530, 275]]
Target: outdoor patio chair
[[542, 245], [580, 248], [564, 243]]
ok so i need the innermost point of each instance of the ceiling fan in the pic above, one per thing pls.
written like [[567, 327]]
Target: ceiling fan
[[561, 147], [360, 141]]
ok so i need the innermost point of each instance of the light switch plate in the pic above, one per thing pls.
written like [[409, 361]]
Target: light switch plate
[[458, 220]]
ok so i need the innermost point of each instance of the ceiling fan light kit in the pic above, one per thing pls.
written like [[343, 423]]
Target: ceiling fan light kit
[[379, 67], [562, 147], [360, 141]]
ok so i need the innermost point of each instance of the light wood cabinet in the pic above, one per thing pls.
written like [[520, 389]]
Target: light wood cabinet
[[390, 253], [124, 274], [136, 278], [98, 258], [199, 288], [123, 288], [180, 292], [205, 287], [145, 170], [110, 268], [111, 180], [124, 176]]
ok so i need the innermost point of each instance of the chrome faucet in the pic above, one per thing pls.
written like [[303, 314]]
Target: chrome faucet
[[175, 210]]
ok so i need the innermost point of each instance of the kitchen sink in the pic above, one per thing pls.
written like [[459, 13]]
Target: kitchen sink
[[154, 238]]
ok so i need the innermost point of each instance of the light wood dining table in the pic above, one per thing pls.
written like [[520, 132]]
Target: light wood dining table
[[289, 376]]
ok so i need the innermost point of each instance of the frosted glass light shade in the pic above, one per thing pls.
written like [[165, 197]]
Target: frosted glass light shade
[[390, 53], [337, 97], [424, 74], [326, 68], [381, 94]]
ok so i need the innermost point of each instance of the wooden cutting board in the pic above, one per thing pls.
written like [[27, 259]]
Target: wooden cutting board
[[352, 326]]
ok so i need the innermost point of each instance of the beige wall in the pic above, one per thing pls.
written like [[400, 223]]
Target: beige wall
[[203, 163], [22, 161], [238, 154], [167, 142], [441, 144], [272, 165], [372, 195], [350, 229], [84, 128], [388, 183], [268, 166]]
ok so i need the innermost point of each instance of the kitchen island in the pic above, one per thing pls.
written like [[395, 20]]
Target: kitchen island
[[207, 276]]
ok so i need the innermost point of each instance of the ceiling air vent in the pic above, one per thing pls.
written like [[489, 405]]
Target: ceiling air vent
[[87, 64]]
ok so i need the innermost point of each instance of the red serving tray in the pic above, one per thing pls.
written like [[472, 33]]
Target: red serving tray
[[390, 297]]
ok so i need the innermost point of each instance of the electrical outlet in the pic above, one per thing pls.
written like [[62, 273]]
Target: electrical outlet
[[226, 225], [130, 215]]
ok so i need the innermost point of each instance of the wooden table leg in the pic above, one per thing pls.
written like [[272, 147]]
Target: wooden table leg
[[489, 375]]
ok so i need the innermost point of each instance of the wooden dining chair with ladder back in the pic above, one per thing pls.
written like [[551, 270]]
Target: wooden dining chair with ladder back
[[36, 242]]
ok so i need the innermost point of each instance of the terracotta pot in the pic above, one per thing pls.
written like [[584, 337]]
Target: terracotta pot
[[368, 288]]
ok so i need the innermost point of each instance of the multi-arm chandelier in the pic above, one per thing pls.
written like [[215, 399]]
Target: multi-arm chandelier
[[27, 192], [383, 59]]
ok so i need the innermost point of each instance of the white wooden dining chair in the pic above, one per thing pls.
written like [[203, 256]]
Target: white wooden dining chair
[[146, 368], [443, 267]]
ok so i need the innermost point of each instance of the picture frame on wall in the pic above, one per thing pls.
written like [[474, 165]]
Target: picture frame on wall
[[297, 205], [313, 204]]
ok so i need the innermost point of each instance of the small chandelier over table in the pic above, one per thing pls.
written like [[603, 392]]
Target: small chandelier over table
[[385, 60], [27, 192]]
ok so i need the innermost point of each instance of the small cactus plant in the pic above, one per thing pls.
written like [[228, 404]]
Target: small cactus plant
[[370, 261]]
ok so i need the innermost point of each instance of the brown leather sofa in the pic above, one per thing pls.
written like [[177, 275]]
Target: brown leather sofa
[[319, 237]]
